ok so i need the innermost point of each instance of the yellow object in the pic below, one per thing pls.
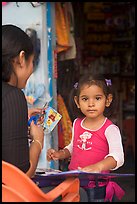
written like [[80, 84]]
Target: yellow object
[[65, 121], [62, 28]]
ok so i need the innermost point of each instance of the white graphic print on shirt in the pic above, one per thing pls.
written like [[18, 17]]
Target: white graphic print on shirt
[[83, 139]]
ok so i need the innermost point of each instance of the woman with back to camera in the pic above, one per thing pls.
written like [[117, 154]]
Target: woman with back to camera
[[17, 66]]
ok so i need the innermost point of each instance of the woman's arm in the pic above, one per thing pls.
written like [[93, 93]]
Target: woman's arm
[[34, 153], [36, 146]]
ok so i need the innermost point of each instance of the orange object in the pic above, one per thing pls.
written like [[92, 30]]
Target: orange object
[[10, 195], [65, 130], [16, 179], [62, 28]]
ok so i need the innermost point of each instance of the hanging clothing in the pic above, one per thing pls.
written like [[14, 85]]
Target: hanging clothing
[[70, 53], [65, 124], [61, 28]]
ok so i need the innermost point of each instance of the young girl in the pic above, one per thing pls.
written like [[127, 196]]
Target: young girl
[[96, 144]]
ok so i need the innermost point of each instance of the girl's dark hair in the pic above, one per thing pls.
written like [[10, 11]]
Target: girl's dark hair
[[88, 79], [14, 40]]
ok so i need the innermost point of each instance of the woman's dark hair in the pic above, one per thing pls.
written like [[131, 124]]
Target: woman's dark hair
[[14, 40], [88, 79]]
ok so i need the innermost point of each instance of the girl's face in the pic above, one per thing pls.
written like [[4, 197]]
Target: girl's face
[[92, 101]]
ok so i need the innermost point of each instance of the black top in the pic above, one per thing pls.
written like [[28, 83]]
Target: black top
[[15, 147]]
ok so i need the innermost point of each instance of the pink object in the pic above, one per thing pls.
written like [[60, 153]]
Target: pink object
[[4, 3], [113, 188], [92, 184], [90, 146]]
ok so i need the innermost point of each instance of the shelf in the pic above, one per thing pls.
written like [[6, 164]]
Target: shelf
[[128, 74], [123, 39]]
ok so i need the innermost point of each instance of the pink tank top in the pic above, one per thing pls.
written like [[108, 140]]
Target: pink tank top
[[89, 147]]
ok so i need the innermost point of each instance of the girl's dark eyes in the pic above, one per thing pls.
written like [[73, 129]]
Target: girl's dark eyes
[[98, 98], [84, 99]]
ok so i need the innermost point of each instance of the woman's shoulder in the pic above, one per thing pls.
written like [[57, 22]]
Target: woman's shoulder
[[9, 90]]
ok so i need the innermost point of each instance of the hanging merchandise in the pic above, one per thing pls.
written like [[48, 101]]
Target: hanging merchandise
[[60, 137], [69, 53], [61, 28], [36, 43], [65, 125]]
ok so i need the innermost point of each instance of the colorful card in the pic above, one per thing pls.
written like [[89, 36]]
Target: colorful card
[[52, 117]]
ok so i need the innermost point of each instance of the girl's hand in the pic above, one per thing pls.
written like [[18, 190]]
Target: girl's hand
[[53, 154], [95, 168], [103, 165], [50, 154]]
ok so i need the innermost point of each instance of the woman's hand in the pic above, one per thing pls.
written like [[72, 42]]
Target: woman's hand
[[37, 133], [34, 111]]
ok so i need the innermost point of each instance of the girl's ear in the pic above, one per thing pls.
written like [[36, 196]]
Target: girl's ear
[[109, 100], [76, 101]]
